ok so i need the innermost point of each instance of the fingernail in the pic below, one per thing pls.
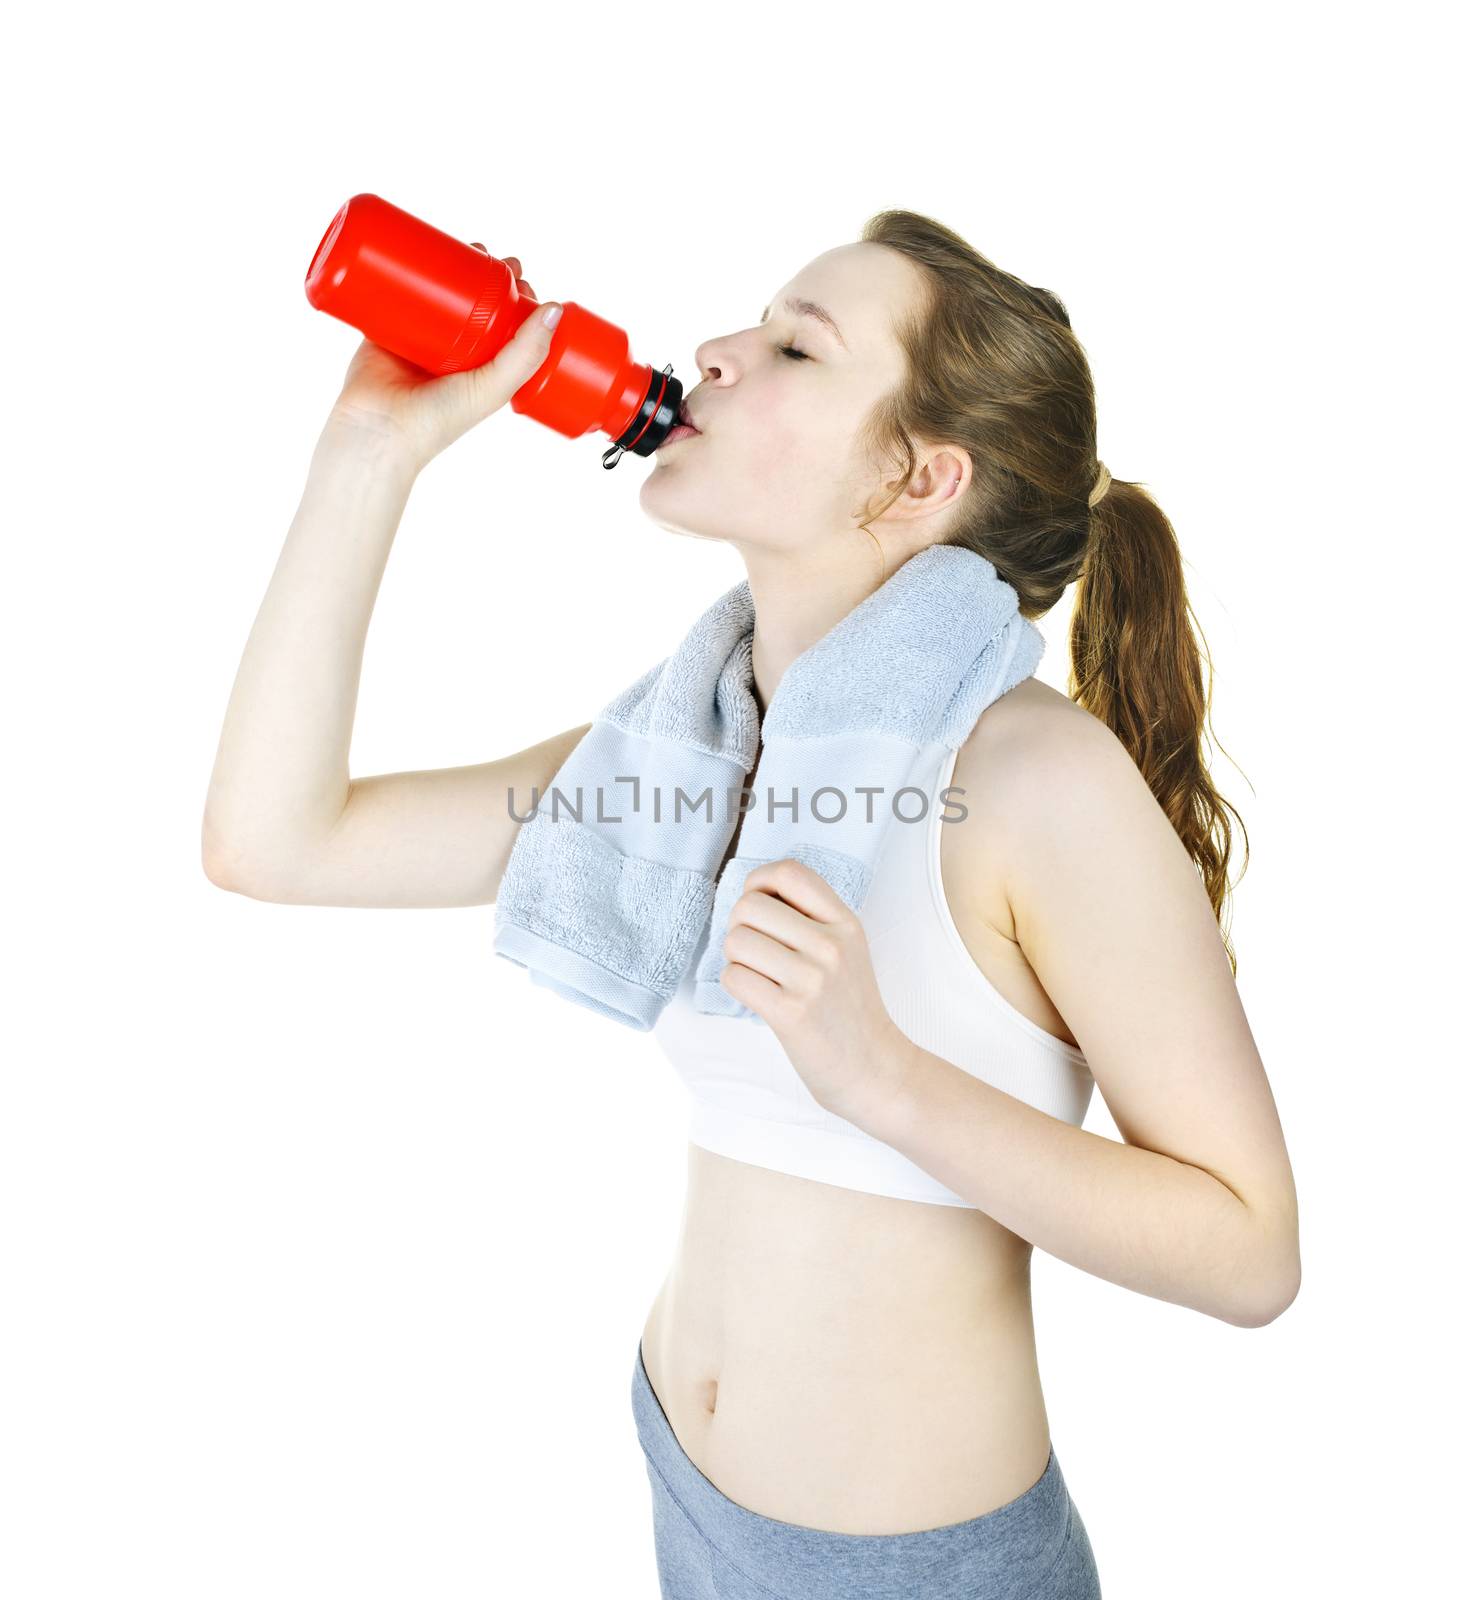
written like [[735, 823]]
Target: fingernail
[[550, 315]]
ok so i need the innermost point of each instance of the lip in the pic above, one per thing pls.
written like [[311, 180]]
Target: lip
[[685, 417]]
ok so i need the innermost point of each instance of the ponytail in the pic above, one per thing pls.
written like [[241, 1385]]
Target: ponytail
[[1135, 663], [993, 366]]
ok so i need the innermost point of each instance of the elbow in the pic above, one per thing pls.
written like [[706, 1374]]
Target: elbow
[[220, 864], [229, 867], [225, 871], [1271, 1289], [219, 859], [1262, 1309], [275, 877]]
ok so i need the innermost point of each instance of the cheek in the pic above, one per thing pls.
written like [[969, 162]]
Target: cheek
[[780, 455], [788, 444]]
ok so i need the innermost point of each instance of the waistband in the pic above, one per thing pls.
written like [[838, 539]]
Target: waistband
[[1006, 1551]]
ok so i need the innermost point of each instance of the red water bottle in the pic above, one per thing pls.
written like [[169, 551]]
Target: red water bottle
[[446, 307]]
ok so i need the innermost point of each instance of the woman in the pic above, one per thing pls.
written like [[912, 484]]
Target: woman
[[836, 1387]]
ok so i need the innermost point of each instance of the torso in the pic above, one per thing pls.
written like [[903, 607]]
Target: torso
[[849, 1361]]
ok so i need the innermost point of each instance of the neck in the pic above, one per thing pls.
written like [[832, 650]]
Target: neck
[[798, 600]]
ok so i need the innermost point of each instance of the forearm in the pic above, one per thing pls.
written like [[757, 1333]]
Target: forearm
[[1126, 1214], [281, 773]]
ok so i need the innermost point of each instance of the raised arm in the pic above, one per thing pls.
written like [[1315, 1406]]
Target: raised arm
[[283, 818]]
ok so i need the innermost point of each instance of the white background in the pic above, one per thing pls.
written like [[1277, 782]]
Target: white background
[[325, 1238]]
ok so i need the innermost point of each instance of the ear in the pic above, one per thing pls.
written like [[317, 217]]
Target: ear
[[943, 473]]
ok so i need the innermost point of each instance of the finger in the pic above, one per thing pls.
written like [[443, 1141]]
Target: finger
[[750, 988], [771, 916], [761, 954], [801, 886], [527, 290], [493, 383], [475, 245]]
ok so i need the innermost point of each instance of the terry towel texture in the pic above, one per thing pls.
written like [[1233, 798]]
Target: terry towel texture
[[613, 877]]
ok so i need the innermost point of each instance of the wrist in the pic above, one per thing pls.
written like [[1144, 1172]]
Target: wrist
[[374, 442], [882, 1096]]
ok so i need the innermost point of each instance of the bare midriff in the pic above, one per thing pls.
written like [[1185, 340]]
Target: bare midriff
[[849, 1361], [843, 1360]]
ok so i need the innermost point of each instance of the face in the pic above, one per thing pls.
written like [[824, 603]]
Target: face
[[775, 466]]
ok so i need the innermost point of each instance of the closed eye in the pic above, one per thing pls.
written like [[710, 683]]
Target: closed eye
[[794, 354]]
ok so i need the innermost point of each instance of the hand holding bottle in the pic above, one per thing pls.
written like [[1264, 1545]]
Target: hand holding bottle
[[422, 414], [448, 307]]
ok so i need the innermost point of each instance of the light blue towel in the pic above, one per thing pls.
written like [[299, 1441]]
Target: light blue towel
[[611, 881]]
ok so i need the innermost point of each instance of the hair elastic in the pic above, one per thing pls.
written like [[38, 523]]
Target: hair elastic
[[1102, 485]]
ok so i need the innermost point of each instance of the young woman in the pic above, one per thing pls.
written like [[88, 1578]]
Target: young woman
[[836, 1387]]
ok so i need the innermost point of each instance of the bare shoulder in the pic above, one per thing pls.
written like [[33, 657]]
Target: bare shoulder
[[1037, 762], [1034, 739], [1030, 709], [1062, 852]]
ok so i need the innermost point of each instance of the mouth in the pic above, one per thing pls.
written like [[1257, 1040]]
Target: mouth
[[685, 428]]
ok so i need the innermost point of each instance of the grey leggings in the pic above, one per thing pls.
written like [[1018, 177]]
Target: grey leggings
[[711, 1548]]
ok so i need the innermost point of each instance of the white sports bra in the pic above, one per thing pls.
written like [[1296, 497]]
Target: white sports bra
[[749, 1103]]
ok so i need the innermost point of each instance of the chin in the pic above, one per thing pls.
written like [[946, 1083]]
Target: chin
[[656, 494], [667, 517]]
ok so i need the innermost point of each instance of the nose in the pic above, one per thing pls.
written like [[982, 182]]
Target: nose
[[709, 372], [715, 359], [719, 360]]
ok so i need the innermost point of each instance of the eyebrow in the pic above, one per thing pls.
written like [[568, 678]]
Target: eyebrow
[[808, 308]]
